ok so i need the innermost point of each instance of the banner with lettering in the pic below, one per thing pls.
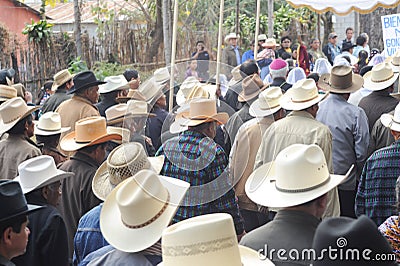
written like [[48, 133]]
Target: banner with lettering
[[391, 33]]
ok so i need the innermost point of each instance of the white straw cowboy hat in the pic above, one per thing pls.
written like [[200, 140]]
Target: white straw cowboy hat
[[151, 90], [267, 102], [208, 239], [380, 77], [133, 108], [269, 43], [161, 75], [261, 37], [392, 121], [123, 162], [341, 80], [140, 208], [303, 94], [298, 175], [12, 111], [231, 35], [124, 132], [89, 131], [50, 124], [252, 86], [395, 62], [202, 111], [7, 92], [114, 83], [38, 172], [185, 88], [236, 76], [61, 78]]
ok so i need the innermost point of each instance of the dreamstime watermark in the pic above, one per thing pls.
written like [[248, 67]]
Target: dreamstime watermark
[[338, 253]]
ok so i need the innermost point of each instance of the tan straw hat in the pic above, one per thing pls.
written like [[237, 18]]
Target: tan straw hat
[[61, 78], [140, 208], [12, 111], [208, 239], [114, 83], [303, 94], [236, 76], [161, 75], [123, 162], [298, 175], [380, 77], [395, 62], [20, 89], [7, 92], [341, 80], [50, 124], [231, 35], [89, 131], [251, 88], [270, 43], [185, 88], [38, 172], [202, 111], [267, 102], [392, 121]]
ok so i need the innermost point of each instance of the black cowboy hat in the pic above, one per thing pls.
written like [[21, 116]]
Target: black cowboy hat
[[84, 80], [13, 202], [346, 46]]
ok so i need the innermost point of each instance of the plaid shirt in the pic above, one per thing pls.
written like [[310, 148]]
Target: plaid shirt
[[376, 195], [197, 159]]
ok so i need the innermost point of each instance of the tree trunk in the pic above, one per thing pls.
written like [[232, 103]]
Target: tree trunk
[[270, 19], [157, 34], [166, 15], [77, 28], [328, 25]]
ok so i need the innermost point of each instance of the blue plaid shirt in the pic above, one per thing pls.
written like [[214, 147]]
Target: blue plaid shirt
[[197, 159], [376, 195]]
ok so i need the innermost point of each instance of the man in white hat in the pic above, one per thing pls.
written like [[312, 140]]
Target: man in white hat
[[89, 142], [193, 156], [349, 127], [116, 86], [376, 195], [300, 126], [231, 54], [266, 109], [380, 80], [41, 183], [298, 181], [62, 84]]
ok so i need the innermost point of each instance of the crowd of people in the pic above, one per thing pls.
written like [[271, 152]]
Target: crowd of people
[[300, 155]]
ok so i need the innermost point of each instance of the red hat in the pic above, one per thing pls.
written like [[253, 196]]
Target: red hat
[[278, 64]]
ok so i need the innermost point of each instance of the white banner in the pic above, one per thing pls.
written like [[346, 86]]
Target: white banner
[[391, 33]]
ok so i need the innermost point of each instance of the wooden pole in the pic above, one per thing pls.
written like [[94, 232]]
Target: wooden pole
[[219, 46], [270, 18], [171, 82], [257, 29]]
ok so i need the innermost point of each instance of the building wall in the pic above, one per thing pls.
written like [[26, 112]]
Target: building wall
[[342, 23]]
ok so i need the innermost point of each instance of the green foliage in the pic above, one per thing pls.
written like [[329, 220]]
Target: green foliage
[[77, 65], [38, 31], [105, 69]]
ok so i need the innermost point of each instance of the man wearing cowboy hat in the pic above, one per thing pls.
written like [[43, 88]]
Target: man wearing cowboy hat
[[116, 86], [123, 162], [62, 84], [349, 127], [266, 109], [376, 196], [232, 53], [41, 183], [89, 142], [299, 182], [14, 232], [81, 105], [300, 126], [380, 80], [195, 157]]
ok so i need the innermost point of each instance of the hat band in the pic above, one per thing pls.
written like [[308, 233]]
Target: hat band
[[304, 101], [303, 189], [12, 120], [382, 80], [199, 248], [45, 129], [270, 107], [155, 217]]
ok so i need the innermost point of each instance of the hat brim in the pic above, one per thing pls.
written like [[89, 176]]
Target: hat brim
[[245, 98], [120, 236], [68, 142], [180, 98], [4, 127], [122, 118], [251, 257], [51, 179], [178, 126], [388, 121], [88, 85], [396, 69], [103, 90], [42, 132], [377, 86], [256, 111], [260, 188], [31, 208], [137, 96], [233, 82], [395, 95], [324, 81], [101, 184], [287, 103], [220, 118], [227, 38]]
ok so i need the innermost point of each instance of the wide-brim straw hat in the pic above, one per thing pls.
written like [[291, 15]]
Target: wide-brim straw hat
[[270, 43], [7, 92], [132, 95], [61, 78], [380, 77], [133, 108], [151, 90], [202, 111], [12, 111], [252, 86], [341, 80], [123, 162], [38, 172], [88, 132], [303, 94], [208, 239], [395, 62], [267, 102], [236, 76], [231, 35], [185, 88], [140, 207], [50, 124], [392, 121], [298, 175], [114, 83], [161, 75]]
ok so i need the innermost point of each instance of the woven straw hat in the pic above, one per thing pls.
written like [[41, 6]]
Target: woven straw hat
[[7, 92], [12, 111], [186, 87], [161, 75], [61, 78], [133, 108], [50, 124], [231, 35]]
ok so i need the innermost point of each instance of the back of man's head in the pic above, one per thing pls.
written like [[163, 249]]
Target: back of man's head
[[278, 68], [248, 68]]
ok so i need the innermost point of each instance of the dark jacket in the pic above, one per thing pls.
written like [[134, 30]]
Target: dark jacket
[[380, 137], [55, 100], [281, 83], [229, 59], [231, 96], [48, 242], [155, 125], [105, 103]]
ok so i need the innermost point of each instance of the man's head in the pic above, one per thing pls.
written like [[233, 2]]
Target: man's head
[[86, 86], [133, 78], [286, 42], [390, 121], [349, 33], [200, 45], [249, 68], [62, 80], [365, 35], [315, 43], [232, 39], [278, 69], [332, 38], [208, 128], [360, 41]]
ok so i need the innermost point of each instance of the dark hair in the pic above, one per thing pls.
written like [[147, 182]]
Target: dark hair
[[249, 67], [201, 127], [362, 59], [131, 73], [285, 38], [92, 148], [365, 70], [347, 58], [19, 128], [109, 95], [15, 223], [294, 46], [48, 141], [349, 28], [199, 42], [286, 56], [314, 76], [360, 40]]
